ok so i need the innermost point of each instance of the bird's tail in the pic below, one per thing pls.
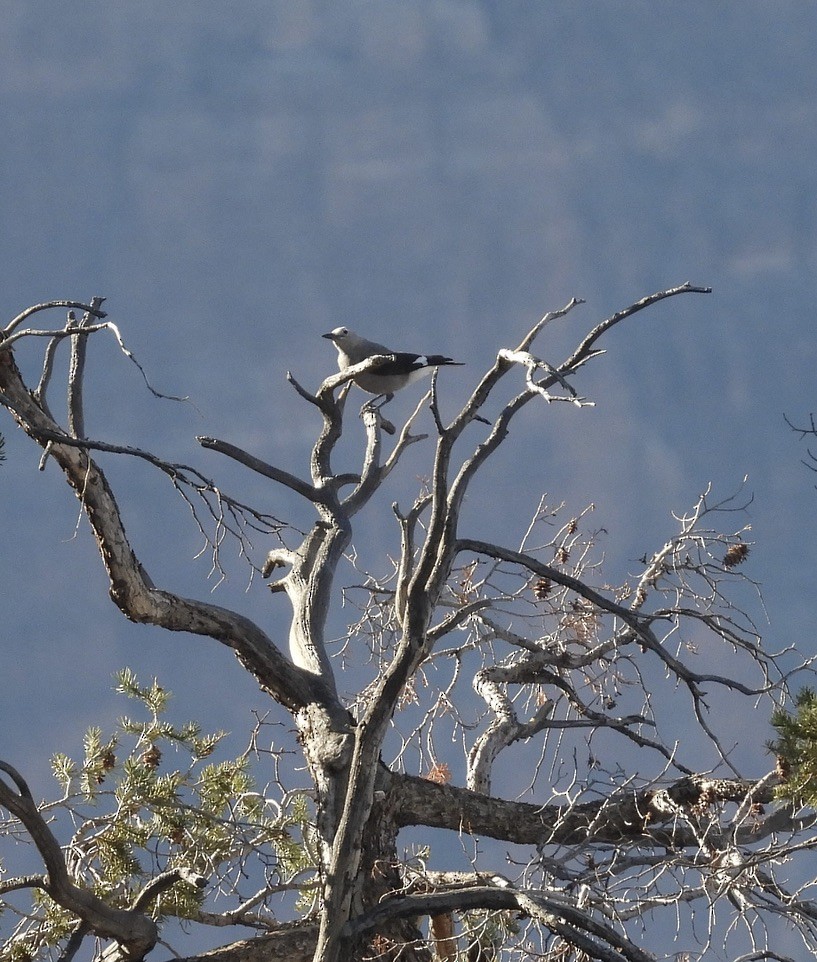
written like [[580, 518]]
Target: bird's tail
[[437, 360]]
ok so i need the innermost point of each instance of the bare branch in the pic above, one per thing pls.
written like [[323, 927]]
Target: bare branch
[[630, 814], [583, 351], [72, 329], [164, 881], [261, 467], [23, 882], [374, 473], [532, 365], [501, 366], [76, 373], [639, 624], [535, 331], [212, 501], [578, 928], [48, 305]]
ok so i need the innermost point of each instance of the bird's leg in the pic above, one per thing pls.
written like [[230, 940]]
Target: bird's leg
[[374, 406]]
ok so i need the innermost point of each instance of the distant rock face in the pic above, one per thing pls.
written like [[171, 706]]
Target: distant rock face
[[238, 180], [460, 160]]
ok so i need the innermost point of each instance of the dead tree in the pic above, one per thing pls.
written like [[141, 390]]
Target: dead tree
[[562, 663]]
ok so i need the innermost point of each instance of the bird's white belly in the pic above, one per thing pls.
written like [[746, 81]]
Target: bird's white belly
[[389, 383]]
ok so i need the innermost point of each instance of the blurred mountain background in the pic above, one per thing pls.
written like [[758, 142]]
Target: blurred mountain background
[[436, 174]]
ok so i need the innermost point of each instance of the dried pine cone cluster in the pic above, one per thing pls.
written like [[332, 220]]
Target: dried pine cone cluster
[[735, 554]]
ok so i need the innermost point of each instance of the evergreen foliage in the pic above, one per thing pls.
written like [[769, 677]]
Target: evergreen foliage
[[148, 798], [796, 749]]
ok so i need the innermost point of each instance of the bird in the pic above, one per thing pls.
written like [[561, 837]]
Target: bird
[[390, 376]]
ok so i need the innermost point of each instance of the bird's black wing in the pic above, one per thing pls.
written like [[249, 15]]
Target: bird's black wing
[[405, 363]]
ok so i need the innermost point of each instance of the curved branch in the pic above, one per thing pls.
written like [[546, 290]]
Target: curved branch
[[501, 366], [584, 350], [598, 940], [23, 882], [72, 329], [164, 881], [504, 730], [131, 588], [29, 311], [234, 520], [129, 928], [638, 623]]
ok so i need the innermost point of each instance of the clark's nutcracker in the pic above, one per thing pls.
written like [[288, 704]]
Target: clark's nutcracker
[[390, 376]]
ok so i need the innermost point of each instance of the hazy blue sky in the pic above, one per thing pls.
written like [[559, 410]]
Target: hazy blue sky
[[436, 174]]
